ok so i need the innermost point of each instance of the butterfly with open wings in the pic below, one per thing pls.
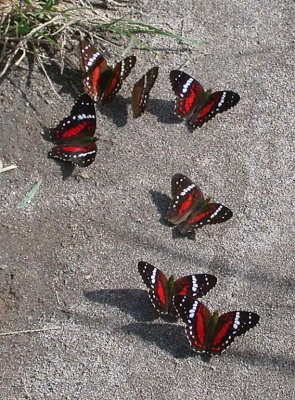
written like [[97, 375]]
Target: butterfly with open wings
[[74, 135], [190, 210], [101, 81], [162, 289], [210, 334], [194, 104]]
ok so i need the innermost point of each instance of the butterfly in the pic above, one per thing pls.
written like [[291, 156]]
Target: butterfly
[[101, 81], [162, 289], [75, 134], [210, 334], [196, 105], [190, 210], [141, 91]]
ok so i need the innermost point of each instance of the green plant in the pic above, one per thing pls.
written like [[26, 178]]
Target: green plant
[[48, 26]]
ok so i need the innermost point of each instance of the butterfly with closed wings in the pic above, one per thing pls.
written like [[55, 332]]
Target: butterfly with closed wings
[[162, 289], [210, 334], [101, 81], [194, 104], [74, 135], [190, 210], [141, 91]]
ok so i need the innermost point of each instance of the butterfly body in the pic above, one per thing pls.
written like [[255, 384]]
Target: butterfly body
[[101, 81], [162, 289], [74, 135], [195, 104], [210, 334], [190, 210]]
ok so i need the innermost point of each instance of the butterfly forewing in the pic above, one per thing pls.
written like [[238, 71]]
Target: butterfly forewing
[[156, 282], [186, 195], [94, 65], [119, 74], [217, 103], [187, 90], [81, 121], [197, 285], [141, 90], [229, 326], [196, 317]]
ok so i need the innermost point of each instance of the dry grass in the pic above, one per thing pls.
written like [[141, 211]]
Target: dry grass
[[42, 29]]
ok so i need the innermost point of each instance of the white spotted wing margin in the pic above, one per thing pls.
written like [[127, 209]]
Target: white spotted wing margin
[[210, 334]]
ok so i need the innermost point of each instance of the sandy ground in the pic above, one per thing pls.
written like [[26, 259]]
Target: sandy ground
[[69, 259]]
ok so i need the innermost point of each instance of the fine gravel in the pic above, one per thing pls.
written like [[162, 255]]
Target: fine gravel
[[69, 258]]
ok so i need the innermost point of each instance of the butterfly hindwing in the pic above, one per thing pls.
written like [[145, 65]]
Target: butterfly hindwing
[[79, 154], [156, 282], [141, 90]]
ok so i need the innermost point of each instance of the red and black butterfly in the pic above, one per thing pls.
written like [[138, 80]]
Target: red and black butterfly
[[210, 334], [141, 91], [196, 105], [190, 210], [101, 81], [162, 289], [74, 135]]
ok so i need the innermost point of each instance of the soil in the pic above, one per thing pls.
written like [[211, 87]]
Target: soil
[[69, 258]]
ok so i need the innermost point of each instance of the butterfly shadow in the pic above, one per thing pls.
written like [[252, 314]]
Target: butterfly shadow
[[163, 204], [115, 110], [168, 337], [163, 110], [134, 302], [282, 363]]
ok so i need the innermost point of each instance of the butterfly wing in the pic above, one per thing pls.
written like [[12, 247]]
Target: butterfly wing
[[187, 90], [196, 316], [216, 103], [80, 154], [156, 282], [141, 90], [186, 197], [116, 79], [81, 121], [94, 65], [212, 213], [197, 285], [229, 326]]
